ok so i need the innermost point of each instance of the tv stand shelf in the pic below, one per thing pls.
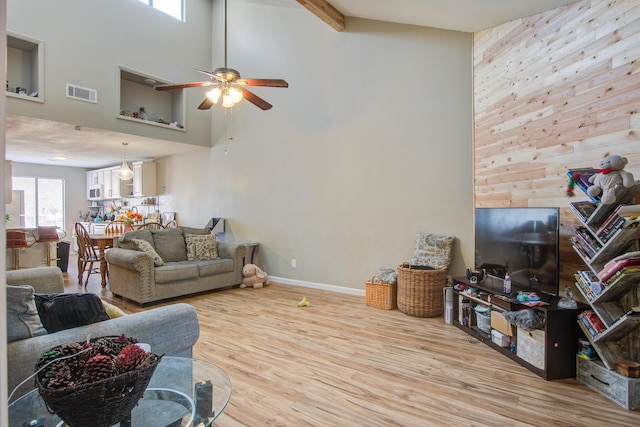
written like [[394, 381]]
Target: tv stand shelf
[[555, 346]]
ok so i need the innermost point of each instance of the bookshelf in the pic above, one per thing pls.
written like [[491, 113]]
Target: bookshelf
[[602, 237]]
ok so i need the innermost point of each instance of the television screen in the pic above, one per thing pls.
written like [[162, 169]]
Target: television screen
[[521, 241]]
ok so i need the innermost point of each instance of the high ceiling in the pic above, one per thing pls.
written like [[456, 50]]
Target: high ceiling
[[39, 141]]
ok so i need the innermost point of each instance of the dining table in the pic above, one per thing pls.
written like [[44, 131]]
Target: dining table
[[103, 241]]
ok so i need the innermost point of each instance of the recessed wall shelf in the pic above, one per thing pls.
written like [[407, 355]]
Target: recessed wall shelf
[[135, 92], [25, 68]]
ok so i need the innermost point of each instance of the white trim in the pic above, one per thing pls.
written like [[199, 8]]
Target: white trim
[[324, 287]]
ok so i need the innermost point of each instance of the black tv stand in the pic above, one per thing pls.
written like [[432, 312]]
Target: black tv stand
[[549, 353]]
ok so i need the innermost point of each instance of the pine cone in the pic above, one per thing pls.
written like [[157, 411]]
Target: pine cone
[[129, 358], [59, 379], [98, 368], [116, 344]]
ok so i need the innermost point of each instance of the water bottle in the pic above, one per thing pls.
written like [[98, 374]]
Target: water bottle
[[506, 285]]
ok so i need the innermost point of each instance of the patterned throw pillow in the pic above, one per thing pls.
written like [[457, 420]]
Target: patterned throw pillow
[[144, 246], [201, 247], [433, 250]]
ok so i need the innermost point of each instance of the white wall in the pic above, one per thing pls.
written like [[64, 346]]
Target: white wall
[[86, 40], [370, 144]]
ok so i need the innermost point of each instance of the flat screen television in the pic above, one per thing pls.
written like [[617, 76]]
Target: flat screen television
[[521, 241]]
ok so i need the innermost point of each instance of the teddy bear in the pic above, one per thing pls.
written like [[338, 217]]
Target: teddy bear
[[610, 174], [254, 277]]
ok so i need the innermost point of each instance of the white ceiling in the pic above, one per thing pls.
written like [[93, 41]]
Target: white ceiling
[[460, 15], [38, 141]]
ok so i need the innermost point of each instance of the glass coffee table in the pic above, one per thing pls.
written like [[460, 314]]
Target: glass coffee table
[[182, 392]]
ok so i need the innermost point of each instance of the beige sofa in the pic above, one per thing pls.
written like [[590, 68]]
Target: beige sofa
[[133, 275]]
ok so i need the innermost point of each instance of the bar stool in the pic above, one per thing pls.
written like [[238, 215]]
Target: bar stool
[[16, 240], [48, 236]]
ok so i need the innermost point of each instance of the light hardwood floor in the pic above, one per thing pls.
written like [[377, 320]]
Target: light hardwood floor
[[342, 363]]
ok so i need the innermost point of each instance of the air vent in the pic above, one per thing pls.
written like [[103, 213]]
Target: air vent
[[82, 93]]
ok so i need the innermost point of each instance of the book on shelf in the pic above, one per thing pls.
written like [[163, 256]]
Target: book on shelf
[[615, 265], [581, 177], [589, 283], [592, 321], [579, 249], [590, 244], [620, 274], [583, 209], [631, 215]]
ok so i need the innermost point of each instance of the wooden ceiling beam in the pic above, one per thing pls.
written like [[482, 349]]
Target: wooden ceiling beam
[[325, 11]]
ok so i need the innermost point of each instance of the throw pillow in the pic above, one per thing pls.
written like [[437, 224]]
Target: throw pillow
[[112, 310], [433, 250], [144, 246], [22, 316], [65, 311], [201, 247]]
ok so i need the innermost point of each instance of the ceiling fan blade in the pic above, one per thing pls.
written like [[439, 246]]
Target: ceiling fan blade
[[205, 104], [262, 82], [183, 86], [208, 73], [255, 99]]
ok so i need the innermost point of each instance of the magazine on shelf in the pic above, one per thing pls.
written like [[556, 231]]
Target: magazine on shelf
[[583, 209], [581, 176]]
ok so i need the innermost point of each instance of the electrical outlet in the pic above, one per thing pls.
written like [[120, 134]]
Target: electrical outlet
[[293, 262]]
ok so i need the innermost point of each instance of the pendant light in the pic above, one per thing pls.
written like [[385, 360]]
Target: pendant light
[[125, 173]]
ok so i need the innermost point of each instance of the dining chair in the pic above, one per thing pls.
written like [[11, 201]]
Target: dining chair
[[49, 236], [117, 227], [87, 254], [150, 226], [17, 240], [171, 224]]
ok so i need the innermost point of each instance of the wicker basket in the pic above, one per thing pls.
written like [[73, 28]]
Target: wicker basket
[[102, 403], [381, 295], [420, 291]]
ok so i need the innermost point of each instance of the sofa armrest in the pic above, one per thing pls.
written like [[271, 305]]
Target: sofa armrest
[[170, 330], [127, 258], [236, 252], [44, 280]]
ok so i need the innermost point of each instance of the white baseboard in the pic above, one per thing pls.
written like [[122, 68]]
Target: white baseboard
[[313, 285]]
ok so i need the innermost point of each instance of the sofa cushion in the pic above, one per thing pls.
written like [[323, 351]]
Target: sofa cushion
[[126, 240], [22, 316], [169, 243], [174, 271], [211, 267], [201, 247], [147, 248], [65, 311]]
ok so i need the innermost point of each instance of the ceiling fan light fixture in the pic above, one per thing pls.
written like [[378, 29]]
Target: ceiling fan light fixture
[[214, 94], [235, 94]]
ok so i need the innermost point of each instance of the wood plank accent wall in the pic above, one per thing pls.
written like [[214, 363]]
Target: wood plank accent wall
[[553, 91]]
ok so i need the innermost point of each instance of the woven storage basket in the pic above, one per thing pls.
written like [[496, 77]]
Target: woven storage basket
[[381, 295], [101, 403], [420, 291]]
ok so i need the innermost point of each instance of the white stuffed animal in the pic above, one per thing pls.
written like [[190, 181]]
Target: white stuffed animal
[[254, 277]]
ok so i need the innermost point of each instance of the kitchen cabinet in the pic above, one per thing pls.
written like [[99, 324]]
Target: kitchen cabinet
[[144, 179], [109, 183]]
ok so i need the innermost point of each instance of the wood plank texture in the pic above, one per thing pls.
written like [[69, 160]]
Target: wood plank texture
[[554, 91], [342, 363]]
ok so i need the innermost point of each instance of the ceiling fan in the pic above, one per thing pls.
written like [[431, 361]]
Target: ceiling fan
[[228, 84]]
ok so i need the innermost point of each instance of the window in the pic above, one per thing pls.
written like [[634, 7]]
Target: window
[[170, 7], [43, 201]]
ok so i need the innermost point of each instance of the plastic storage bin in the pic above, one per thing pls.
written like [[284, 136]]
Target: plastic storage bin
[[483, 321], [499, 338]]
